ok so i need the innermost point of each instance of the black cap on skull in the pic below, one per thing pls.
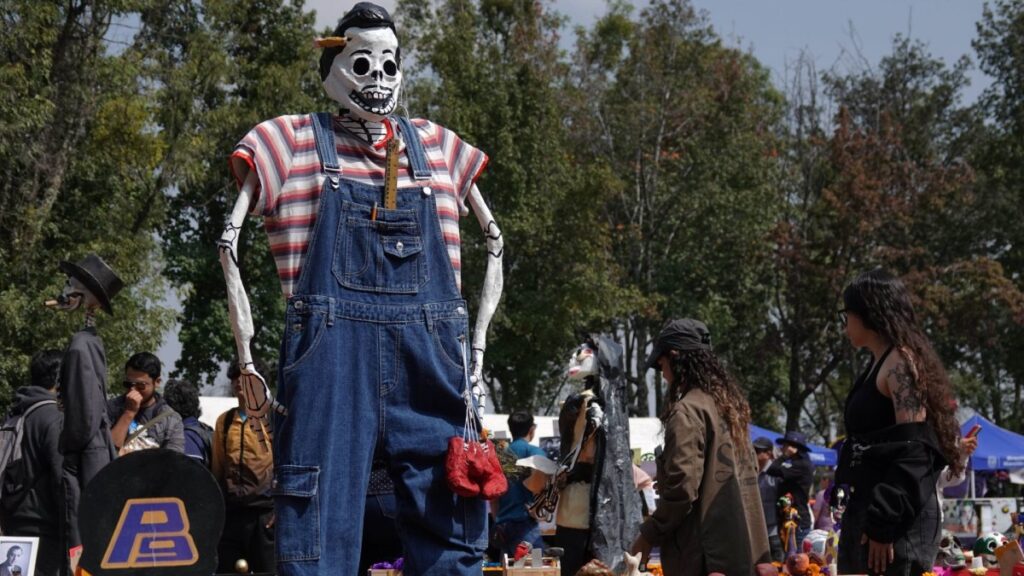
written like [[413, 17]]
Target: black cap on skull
[[362, 15]]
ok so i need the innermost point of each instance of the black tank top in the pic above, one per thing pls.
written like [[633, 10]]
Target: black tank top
[[867, 409]]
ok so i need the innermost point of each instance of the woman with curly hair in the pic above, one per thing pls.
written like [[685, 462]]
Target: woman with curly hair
[[709, 517], [901, 432]]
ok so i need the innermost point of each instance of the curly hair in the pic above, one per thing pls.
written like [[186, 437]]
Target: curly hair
[[183, 397], [701, 369], [882, 302]]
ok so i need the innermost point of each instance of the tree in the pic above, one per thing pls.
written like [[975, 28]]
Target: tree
[[79, 160], [217, 68], [492, 71], [891, 187], [999, 160], [687, 129]]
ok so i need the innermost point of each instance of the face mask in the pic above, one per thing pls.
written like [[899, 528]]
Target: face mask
[[364, 77]]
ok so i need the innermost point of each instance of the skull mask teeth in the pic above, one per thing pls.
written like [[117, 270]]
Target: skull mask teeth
[[380, 102]]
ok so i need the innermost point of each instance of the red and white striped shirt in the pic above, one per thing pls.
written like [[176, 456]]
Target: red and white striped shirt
[[283, 153]]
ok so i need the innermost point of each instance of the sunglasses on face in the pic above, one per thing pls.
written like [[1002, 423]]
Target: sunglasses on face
[[138, 385]]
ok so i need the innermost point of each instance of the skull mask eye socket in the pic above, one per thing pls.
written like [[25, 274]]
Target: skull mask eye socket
[[390, 68], [361, 66]]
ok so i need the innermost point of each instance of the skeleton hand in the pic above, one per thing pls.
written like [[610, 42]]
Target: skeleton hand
[[258, 399]]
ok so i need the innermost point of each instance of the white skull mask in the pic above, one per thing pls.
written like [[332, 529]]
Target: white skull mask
[[583, 363], [365, 77]]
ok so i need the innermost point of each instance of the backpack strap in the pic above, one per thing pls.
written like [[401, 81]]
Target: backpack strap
[[20, 426], [138, 432]]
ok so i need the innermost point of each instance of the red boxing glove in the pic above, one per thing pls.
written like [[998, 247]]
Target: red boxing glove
[[493, 483], [457, 468]]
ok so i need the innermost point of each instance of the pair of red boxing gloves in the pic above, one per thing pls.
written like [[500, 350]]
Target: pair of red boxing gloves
[[473, 469]]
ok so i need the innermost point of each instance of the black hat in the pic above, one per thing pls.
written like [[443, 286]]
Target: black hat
[[762, 444], [683, 335], [794, 438], [363, 15], [94, 273]]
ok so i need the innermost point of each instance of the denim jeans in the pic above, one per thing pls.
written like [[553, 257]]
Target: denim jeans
[[373, 357], [380, 533]]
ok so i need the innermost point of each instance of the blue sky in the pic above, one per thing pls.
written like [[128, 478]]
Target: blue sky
[[847, 34]]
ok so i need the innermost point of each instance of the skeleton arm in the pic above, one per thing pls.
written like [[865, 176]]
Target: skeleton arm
[[491, 294], [258, 399]]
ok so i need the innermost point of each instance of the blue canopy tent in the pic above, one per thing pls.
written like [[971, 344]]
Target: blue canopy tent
[[820, 455]]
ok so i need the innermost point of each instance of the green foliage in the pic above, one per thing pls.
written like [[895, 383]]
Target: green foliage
[[217, 69], [493, 73], [687, 128], [648, 172], [78, 157]]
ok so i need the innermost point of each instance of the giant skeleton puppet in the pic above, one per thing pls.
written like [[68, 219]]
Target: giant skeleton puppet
[[85, 442], [361, 211]]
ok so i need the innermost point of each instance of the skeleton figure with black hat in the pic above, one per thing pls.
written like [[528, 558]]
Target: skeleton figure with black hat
[[361, 209], [85, 437]]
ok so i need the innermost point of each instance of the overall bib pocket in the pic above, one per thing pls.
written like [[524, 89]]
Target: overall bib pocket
[[382, 255]]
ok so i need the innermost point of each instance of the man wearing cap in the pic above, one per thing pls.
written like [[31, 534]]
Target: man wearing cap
[[85, 439], [768, 486], [796, 476]]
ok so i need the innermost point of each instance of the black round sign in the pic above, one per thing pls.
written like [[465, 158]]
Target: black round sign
[[149, 513]]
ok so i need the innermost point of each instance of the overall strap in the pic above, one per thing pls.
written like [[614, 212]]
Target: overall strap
[[323, 134], [414, 149]]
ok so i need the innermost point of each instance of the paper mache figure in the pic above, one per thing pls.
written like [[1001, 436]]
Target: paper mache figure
[[361, 208], [85, 441], [596, 463]]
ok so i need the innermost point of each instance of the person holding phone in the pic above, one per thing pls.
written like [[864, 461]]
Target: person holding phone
[[902, 431]]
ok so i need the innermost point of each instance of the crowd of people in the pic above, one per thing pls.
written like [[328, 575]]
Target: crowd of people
[[141, 417], [718, 490]]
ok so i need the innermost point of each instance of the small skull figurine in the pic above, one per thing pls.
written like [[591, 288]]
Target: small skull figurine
[[985, 547], [951, 554]]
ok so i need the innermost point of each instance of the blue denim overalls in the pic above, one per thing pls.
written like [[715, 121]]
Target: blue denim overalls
[[372, 358]]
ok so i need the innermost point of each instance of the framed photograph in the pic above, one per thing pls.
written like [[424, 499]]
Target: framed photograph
[[18, 555]]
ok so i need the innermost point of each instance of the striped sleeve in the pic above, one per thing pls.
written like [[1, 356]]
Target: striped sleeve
[[465, 164], [268, 148]]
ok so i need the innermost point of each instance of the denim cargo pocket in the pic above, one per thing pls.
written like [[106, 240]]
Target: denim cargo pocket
[[302, 335], [298, 515], [383, 255]]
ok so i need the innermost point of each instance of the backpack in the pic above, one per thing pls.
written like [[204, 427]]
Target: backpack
[[13, 483], [206, 435], [245, 486]]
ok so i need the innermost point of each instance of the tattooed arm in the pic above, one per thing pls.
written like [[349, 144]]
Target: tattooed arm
[[901, 385]]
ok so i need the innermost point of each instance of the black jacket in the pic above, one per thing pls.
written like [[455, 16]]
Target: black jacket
[[83, 393], [796, 475], [893, 473], [35, 512]]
